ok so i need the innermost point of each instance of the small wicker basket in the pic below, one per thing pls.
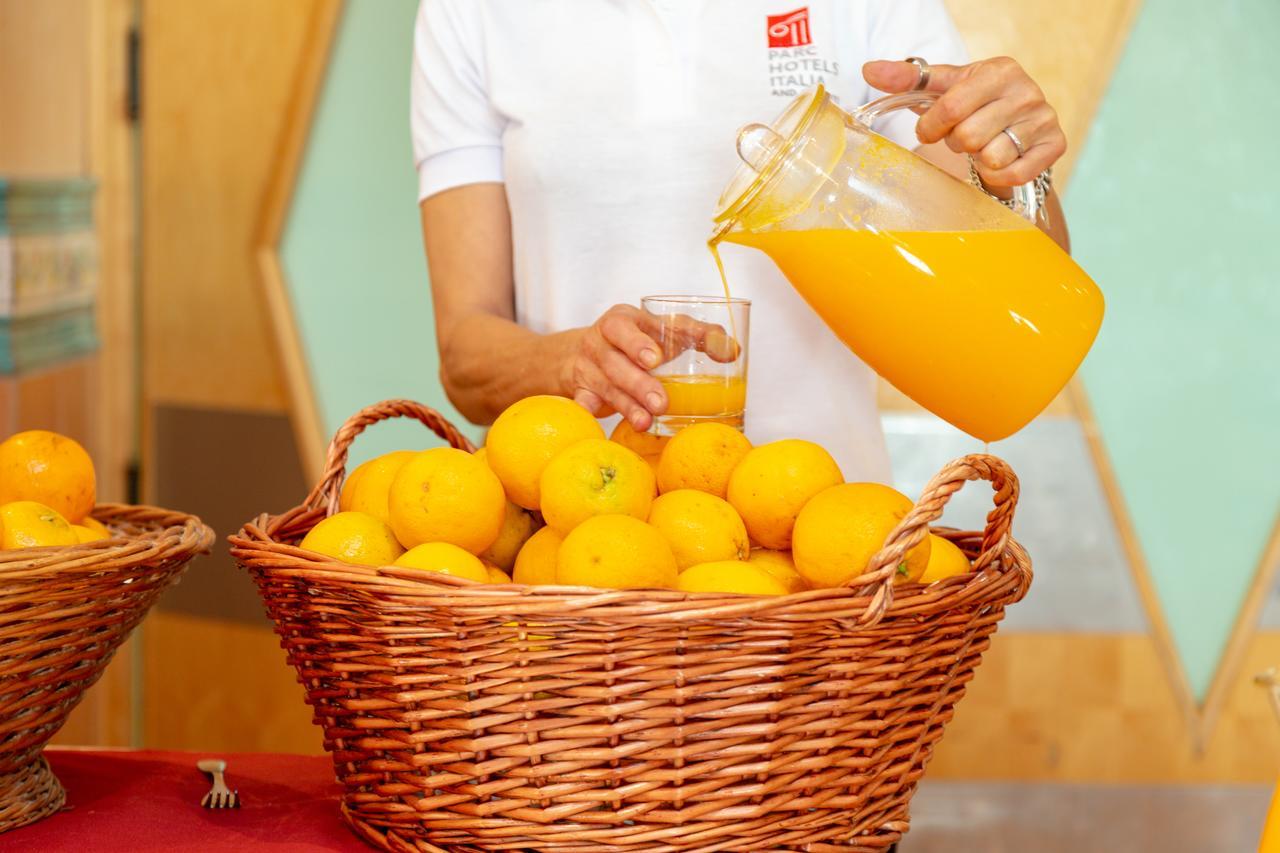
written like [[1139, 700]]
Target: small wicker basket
[[472, 717], [63, 613]]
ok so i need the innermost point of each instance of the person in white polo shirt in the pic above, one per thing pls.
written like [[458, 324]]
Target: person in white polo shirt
[[570, 154]]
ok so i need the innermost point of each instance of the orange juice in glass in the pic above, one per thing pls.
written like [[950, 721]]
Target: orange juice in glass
[[704, 352]]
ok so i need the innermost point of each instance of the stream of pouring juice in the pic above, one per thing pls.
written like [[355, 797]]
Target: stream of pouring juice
[[982, 328]]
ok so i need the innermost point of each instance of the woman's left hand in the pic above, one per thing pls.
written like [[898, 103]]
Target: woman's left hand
[[978, 101]]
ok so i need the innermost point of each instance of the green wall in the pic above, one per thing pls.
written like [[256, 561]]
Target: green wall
[[352, 248], [1175, 210]]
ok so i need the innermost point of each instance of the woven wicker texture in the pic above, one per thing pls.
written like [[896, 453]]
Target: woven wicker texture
[[471, 717], [63, 613]]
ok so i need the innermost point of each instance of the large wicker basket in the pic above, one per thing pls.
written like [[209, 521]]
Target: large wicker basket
[[63, 613], [472, 717]]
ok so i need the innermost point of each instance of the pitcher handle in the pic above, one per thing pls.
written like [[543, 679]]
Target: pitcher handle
[[1026, 200]]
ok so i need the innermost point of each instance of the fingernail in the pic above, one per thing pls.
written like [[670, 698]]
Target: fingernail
[[649, 358], [721, 346], [655, 401]]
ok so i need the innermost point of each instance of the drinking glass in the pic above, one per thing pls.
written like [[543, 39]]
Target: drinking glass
[[704, 359]]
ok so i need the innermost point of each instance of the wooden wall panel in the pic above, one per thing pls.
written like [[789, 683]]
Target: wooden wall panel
[[62, 86], [218, 78], [205, 665], [111, 161], [109, 714], [1069, 48], [229, 689], [43, 91], [63, 79], [43, 133], [219, 84], [1099, 708]]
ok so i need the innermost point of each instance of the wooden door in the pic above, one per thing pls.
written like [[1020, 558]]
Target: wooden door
[[219, 77]]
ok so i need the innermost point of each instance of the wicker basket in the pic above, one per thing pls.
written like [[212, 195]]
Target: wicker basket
[[63, 612], [472, 717]]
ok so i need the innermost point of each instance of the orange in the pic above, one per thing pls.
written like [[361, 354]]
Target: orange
[[88, 534], [354, 537], [595, 477], [700, 528], [497, 575], [28, 524], [49, 469], [517, 526], [367, 487], [841, 528], [616, 552], [702, 457], [446, 495], [446, 559], [527, 435], [647, 445], [774, 481], [93, 524], [946, 560], [536, 562], [781, 566], [729, 576]]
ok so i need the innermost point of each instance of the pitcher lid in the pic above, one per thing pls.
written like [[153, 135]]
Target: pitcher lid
[[765, 150]]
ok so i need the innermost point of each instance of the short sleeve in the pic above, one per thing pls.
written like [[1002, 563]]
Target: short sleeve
[[903, 28], [457, 134]]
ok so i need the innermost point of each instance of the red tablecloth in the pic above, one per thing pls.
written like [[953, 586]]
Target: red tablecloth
[[150, 801]]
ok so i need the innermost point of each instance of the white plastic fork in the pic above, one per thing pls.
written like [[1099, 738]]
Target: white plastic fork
[[219, 796]]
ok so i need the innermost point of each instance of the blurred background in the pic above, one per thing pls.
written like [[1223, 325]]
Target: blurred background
[[210, 256]]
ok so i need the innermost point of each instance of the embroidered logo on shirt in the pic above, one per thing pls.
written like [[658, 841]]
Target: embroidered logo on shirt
[[795, 62], [790, 29]]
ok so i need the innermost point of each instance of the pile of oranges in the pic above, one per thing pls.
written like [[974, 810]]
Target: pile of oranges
[[550, 500], [47, 490]]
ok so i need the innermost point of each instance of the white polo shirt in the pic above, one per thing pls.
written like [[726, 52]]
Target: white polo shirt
[[612, 125]]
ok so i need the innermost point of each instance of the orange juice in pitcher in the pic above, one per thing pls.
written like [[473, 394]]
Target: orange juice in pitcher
[[962, 304]]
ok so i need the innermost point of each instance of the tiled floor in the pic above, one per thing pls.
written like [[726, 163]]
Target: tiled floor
[[955, 817]]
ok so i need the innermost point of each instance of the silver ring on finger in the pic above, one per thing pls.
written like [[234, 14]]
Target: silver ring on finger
[[925, 71], [1017, 143], [997, 154]]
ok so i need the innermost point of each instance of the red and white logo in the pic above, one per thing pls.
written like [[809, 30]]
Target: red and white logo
[[790, 29]]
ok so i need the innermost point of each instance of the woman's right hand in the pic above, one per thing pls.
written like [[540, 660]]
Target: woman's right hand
[[607, 369]]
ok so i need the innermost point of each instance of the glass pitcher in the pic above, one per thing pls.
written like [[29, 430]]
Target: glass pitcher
[[961, 303]]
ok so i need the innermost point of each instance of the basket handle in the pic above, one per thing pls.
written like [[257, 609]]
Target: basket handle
[[882, 569], [326, 492]]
